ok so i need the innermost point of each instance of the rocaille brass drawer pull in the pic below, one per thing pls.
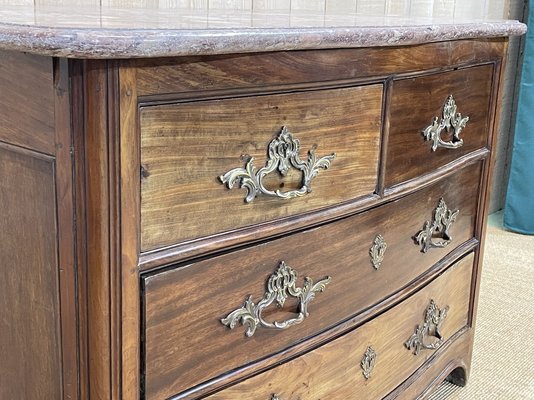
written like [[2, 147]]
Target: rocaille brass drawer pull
[[438, 228], [434, 318], [450, 120], [283, 152], [280, 286]]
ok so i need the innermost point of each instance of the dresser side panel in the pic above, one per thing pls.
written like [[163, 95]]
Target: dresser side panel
[[29, 305], [27, 101]]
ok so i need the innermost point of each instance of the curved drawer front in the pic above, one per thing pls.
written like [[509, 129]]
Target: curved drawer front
[[187, 344], [425, 114], [371, 361], [196, 155]]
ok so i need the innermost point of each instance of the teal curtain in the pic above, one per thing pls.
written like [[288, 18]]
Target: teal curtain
[[519, 206]]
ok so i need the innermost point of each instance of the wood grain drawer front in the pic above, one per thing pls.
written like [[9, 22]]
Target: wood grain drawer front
[[334, 371], [186, 343], [414, 105], [185, 148], [250, 71]]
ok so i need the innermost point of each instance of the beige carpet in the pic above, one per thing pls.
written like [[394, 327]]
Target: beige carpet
[[503, 354]]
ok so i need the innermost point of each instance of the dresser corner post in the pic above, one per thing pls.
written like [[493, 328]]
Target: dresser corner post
[[130, 180], [102, 330], [488, 168], [68, 262]]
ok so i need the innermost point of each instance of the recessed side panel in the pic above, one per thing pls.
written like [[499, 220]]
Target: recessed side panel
[[30, 366]]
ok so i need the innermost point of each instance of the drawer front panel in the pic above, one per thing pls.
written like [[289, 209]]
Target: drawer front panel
[[334, 371], [414, 105], [187, 148], [185, 341], [250, 71]]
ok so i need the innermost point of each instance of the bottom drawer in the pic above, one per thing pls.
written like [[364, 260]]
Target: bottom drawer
[[372, 360]]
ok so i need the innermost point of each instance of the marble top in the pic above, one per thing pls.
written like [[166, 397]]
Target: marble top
[[104, 32]]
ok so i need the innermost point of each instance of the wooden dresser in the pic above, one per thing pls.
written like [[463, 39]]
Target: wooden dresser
[[232, 214]]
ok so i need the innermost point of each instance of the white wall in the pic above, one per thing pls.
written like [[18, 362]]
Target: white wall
[[449, 8], [515, 9]]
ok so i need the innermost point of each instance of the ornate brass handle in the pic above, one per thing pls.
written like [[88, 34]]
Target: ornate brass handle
[[283, 152], [275, 397], [438, 228], [434, 318], [280, 286], [450, 120]]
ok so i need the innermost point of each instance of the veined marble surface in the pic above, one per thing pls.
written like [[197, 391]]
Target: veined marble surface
[[103, 32]]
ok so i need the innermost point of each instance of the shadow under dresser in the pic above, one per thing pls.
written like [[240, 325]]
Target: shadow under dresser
[[265, 214]]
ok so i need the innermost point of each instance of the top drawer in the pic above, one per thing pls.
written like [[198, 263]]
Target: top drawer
[[187, 147], [426, 102]]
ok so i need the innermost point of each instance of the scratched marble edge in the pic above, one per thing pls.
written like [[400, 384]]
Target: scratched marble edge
[[116, 43]]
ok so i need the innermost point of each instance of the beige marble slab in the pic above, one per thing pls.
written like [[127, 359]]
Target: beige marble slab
[[235, 26]]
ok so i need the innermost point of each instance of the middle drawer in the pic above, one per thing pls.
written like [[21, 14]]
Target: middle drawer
[[185, 341]]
